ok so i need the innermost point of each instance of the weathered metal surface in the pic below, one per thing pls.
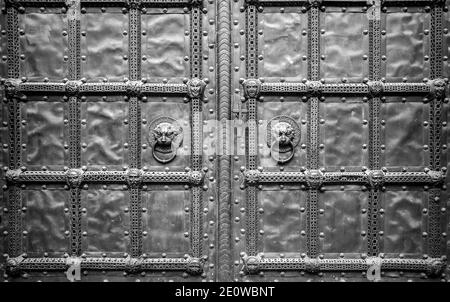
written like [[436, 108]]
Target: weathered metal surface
[[328, 158]]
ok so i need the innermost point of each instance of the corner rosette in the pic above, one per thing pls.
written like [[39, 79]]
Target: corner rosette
[[134, 265], [196, 2], [134, 177], [314, 88], [376, 178], [12, 266], [437, 88], [252, 264], [134, 88], [315, 3], [73, 87], [194, 266], [314, 178], [196, 88], [12, 176], [11, 87], [435, 267], [74, 177], [436, 177], [376, 88], [195, 178], [251, 177], [134, 4], [312, 265], [252, 88]]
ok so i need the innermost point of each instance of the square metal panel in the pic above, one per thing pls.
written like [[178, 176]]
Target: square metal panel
[[104, 46], [45, 222], [165, 222], [43, 46], [343, 218], [165, 45], [345, 46], [106, 220]]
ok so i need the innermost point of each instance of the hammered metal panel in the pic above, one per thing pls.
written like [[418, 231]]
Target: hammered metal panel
[[165, 45], [344, 46], [43, 133], [174, 108], [165, 222], [104, 46], [403, 221], [281, 221], [404, 132], [406, 46], [105, 129], [270, 109], [343, 222], [345, 132], [43, 46], [283, 45], [45, 221], [106, 220]]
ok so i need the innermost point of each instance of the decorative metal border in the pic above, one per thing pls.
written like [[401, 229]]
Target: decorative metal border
[[374, 179], [251, 27], [18, 265], [254, 264], [132, 4], [374, 16]]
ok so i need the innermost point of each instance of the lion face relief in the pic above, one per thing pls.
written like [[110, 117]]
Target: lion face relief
[[196, 88], [165, 133], [283, 133], [165, 137]]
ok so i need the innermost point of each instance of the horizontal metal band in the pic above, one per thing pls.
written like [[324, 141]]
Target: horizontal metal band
[[99, 3], [367, 3], [76, 177], [73, 88], [255, 264], [194, 266], [431, 89], [371, 178]]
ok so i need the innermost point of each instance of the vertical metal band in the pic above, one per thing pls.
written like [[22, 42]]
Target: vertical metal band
[[15, 137], [224, 164], [74, 118], [374, 16], [197, 133], [313, 127], [251, 142], [435, 242], [134, 135], [196, 42], [13, 42]]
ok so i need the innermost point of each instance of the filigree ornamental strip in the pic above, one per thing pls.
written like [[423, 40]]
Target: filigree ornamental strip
[[435, 242], [134, 130], [74, 118], [313, 125], [374, 16], [15, 135], [251, 89], [131, 265], [196, 88], [224, 163]]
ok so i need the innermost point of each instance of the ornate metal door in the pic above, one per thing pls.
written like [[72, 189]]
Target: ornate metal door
[[160, 140]]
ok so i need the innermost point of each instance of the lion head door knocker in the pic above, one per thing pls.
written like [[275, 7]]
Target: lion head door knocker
[[283, 135], [165, 137]]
